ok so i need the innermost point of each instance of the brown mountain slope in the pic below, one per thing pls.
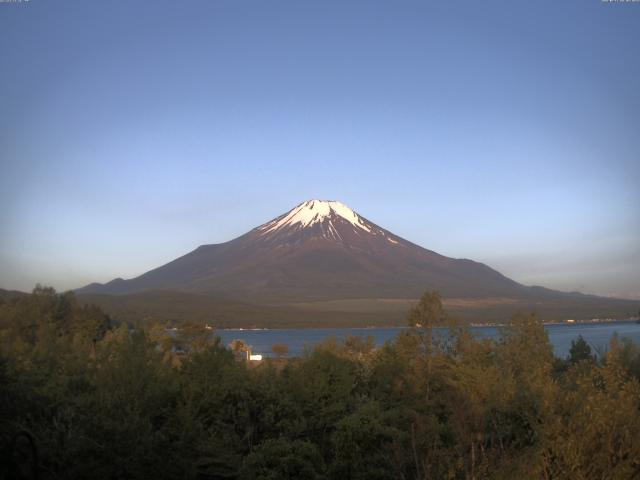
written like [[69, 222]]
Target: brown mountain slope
[[321, 251], [323, 264]]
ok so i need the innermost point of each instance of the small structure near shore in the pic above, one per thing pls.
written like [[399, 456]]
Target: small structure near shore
[[242, 350]]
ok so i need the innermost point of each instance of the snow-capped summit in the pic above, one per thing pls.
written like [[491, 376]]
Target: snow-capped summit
[[312, 212], [319, 250], [325, 220]]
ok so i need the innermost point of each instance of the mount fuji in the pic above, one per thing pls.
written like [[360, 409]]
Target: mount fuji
[[321, 252]]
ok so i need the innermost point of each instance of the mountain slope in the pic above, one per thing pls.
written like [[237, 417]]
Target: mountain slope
[[321, 250]]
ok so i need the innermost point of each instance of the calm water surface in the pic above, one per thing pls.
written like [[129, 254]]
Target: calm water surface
[[299, 339]]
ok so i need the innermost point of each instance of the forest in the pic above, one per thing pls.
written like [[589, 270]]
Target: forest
[[85, 397]]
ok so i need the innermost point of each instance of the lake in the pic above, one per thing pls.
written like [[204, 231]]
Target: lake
[[299, 339]]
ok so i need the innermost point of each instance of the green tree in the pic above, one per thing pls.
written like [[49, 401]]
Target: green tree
[[580, 351], [423, 317], [325, 386], [596, 423], [281, 458], [216, 417], [362, 444], [428, 312]]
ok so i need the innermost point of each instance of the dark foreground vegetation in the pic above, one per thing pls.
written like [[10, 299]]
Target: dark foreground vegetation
[[81, 397]]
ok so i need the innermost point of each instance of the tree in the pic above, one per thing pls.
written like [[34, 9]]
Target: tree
[[580, 351], [418, 408], [596, 423], [131, 409], [240, 349], [90, 324], [193, 337], [428, 312], [281, 458], [361, 445], [424, 316], [359, 347], [325, 386], [214, 417]]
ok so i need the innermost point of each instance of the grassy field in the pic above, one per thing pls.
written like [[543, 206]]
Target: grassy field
[[178, 307]]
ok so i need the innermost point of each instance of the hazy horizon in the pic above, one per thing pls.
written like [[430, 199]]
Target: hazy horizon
[[505, 133]]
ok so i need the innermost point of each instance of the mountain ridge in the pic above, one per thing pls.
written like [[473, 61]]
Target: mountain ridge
[[318, 250], [322, 250]]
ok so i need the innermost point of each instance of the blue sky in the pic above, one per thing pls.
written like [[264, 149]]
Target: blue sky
[[505, 132]]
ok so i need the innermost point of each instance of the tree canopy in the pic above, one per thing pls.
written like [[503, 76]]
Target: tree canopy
[[98, 399]]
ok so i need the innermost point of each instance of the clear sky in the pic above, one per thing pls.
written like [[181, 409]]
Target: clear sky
[[506, 132]]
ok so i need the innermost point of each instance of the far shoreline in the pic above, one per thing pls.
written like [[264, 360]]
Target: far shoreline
[[470, 325]]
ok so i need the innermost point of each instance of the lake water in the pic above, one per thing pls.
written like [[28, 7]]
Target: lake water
[[300, 339]]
